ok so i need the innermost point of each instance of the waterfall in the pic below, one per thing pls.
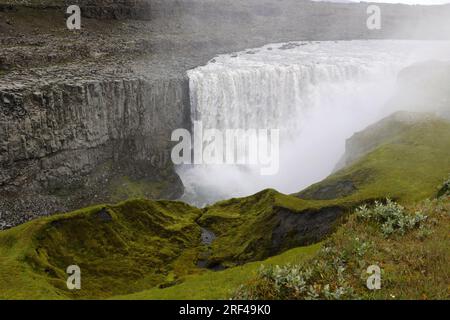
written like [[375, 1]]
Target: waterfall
[[316, 93]]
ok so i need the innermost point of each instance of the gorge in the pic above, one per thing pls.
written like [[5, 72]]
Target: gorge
[[87, 116], [90, 120]]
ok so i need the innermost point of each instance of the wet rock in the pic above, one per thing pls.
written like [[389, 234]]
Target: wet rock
[[103, 215], [296, 229], [204, 261], [289, 46], [208, 237]]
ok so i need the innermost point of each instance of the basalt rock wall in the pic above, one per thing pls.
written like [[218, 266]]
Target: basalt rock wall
[[68, 142]]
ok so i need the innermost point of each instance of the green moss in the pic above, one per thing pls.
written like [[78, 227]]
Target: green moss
[[120, 249], [130, 247], [221, 285], [406, 167], [126, 188]]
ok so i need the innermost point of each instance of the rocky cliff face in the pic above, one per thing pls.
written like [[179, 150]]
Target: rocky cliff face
[[98, 9], [79, 142], [120, 9]]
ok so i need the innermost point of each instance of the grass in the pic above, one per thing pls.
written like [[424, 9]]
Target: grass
[[125, 248], [406, 167], [17, 279], [414, 265], [221, 285]]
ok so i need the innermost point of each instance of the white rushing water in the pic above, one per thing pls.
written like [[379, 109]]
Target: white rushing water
[[316, 93]]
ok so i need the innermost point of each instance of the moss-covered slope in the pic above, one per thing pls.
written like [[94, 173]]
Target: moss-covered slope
[[129, 247], [222, 285], [262, 225], [404, 157], [412, 254]]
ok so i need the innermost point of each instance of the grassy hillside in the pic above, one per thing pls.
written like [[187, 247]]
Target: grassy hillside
[[124, 248], [413, 258], [222, 284], [259, 226], [407, 162], [154, 247]]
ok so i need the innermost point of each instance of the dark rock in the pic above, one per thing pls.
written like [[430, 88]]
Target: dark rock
[[303, 228], [64, 140], [289, 46], [104, 215], [208, 237], [444, 191]]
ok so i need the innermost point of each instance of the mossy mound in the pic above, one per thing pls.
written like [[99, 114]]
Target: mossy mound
[[265, 224], [125, 248], [221, 285]]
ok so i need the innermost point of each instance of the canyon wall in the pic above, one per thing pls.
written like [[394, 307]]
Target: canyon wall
[[76, 143]]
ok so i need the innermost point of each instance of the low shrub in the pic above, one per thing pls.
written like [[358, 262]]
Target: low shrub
[[391, 217], [301, 282]]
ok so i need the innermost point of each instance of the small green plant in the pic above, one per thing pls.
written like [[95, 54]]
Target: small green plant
[[361, 247], [301, 282], [391, 217]]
